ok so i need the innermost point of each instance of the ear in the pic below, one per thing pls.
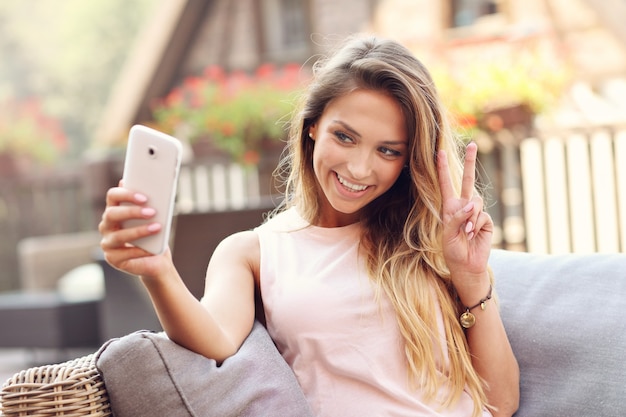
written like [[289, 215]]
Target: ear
[[313, 131]]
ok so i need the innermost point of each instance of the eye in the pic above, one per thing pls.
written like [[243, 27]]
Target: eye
[[343, 138], [388, 152]]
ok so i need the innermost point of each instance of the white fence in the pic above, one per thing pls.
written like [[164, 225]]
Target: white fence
[[574, 191], [217, 186]]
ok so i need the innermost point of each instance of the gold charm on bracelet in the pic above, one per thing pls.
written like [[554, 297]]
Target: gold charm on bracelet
[[467, 320]]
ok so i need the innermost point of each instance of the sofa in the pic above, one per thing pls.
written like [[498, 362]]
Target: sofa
[[563, 314]]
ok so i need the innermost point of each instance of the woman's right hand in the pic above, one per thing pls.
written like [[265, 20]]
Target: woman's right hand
[[215, 327], [115, 243]]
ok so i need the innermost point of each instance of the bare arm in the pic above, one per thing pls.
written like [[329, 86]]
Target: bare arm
[[491, 351], [215, 327]]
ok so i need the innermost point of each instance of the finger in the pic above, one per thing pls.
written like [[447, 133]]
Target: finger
[[119, 258], [443, 171], [121, 238], [118, 214], [458, 221], [113, 217], [117, 195], [469, 219], [469, 172], [477, 208], [484, 222]]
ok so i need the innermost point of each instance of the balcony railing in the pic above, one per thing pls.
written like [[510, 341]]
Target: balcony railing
[[553, 193]]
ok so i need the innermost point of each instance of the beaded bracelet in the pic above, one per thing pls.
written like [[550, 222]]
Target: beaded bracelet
[[467, 319]]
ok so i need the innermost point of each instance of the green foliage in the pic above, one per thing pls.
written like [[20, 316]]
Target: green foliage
[[238, 112], [67, 55], [499, 76], [27, 133]]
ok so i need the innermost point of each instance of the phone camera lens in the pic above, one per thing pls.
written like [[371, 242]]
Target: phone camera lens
[[152, 152]]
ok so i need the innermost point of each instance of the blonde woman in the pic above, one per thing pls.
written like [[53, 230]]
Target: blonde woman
[[373, 273]]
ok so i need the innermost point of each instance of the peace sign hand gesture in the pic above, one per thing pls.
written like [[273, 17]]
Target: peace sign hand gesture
[[467, 232], [467, 229]]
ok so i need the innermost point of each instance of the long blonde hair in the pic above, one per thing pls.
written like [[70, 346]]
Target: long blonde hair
[[403, 228]]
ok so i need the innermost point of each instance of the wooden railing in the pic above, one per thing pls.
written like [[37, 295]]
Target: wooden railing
[[551, 193], [216, 187], [559, 192], [575, 191]]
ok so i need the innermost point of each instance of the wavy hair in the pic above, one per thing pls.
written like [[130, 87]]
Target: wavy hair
[[402, 228]]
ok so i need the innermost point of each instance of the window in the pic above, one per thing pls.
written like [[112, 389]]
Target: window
[[286, 25], [294, 23], [467, 12]]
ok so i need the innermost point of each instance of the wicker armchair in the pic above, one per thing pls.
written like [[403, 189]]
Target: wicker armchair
[[72, 389]]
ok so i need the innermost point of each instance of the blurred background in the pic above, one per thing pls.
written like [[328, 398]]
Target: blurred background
[[539, 84]]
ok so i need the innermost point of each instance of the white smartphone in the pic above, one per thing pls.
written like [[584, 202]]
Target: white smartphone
[[151, 167]]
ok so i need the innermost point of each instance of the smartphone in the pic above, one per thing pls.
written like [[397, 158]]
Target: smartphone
[[151, 167]]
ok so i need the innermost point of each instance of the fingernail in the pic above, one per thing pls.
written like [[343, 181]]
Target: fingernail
[[140, 198], [469, 226], [148, 211], [469, 207], [470, 236], [154, 227]]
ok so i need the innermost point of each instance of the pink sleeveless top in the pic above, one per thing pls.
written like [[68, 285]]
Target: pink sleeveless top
[[343, 345]]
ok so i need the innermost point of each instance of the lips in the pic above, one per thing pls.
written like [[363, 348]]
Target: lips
[[355, 188]]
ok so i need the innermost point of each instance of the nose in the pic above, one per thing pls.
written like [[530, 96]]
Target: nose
[[360, 164]]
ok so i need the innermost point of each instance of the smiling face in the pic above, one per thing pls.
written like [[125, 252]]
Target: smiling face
[[361, 146]]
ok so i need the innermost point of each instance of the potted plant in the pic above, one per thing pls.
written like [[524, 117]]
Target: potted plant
[[500, 84], [238, 113], [29, 138]]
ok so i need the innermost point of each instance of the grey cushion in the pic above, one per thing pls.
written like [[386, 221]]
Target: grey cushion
[[148, 375], [564, 315]]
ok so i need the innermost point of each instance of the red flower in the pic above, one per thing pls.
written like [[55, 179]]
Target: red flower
[[251, 157], [235, 110], [466, 120], [174, 98], [26, 129], [265, 72], [214, 73], [228, 129]]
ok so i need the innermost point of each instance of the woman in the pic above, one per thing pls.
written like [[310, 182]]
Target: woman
[[373, 273]]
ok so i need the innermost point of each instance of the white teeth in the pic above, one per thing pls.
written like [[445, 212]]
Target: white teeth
[[352, 187]]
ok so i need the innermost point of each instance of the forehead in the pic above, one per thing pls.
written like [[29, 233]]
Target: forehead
[[369, 112]]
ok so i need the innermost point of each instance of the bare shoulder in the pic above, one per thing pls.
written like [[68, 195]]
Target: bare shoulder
[[242, 248], [240, 241]]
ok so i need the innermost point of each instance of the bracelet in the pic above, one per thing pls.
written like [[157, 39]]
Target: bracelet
[[467, 319]]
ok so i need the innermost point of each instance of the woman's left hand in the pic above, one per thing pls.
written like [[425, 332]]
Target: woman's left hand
[[467, 233], [467, 229]]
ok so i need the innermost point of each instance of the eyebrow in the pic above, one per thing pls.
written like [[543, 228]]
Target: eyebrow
[[354, 132], [347, 127]]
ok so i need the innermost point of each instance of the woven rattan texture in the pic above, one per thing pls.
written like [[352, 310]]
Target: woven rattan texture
[[71, 389]]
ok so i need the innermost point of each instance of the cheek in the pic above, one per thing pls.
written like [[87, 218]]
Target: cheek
[[391, 175], [317, 162], [323, 155]]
